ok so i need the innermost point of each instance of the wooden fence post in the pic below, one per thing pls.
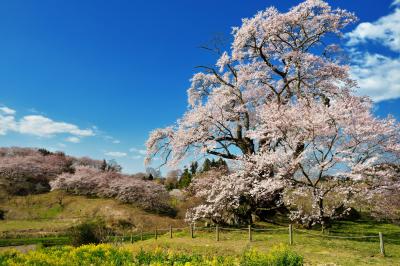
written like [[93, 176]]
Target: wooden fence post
[[170, 231], [217, 232], [382, 245], [191, 231], [131, 238], [250, 235], [156, 233], [141, 234], [290, 234]]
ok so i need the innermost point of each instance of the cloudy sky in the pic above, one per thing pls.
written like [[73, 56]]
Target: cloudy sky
[[94, 77]]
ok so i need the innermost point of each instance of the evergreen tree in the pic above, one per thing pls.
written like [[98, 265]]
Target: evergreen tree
[[103, 166], [206, 165], [186, 179], [151, 177], [193, 168], [221, 163]]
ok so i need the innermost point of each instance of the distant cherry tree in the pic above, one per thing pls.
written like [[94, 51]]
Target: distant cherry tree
[[28, 171], [382, 193], [89, 181], [281, 106]]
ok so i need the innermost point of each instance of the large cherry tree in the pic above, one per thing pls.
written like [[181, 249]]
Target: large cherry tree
[[281, 106]]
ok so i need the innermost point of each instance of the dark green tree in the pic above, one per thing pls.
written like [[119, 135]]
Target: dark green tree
[[221, 163], [206, 165], [151, 177], [193, 168], [103, 166], [186, 179]]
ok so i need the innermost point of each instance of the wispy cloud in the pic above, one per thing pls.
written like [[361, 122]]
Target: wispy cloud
[[45, 127], [117, 154], [385, 31], [73, 139], [38, 125], [138, 151], [378, 75], [7, 111], [111, 139]]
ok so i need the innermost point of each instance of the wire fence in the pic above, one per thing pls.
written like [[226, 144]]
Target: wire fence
[[249, 231], [221, 233]]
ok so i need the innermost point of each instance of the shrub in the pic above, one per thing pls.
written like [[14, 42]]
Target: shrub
[[89, 232]]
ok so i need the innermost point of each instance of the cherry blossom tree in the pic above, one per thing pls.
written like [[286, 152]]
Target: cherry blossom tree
[[28, 171], [90, 181], [281, 106], [382, 193]]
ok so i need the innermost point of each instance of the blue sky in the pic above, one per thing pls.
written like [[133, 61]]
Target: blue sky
[[95, 77]]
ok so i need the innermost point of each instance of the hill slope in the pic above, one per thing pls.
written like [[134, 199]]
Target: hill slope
[[56, 211]]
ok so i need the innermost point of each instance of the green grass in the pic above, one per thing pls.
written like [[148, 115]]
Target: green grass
[[36, 215], [45, 241], [41, 214], [315, 250]]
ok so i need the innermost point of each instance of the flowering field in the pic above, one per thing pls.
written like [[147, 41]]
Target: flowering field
[[109, 255]]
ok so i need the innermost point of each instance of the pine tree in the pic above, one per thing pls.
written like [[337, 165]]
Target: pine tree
[[103, 166], [193, 168], [186, 179], [206, 165]]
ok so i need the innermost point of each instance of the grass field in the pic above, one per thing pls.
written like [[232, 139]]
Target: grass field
[[37, 215], [30, 217], [316, 250]]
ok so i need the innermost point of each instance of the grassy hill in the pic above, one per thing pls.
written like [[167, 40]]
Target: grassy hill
[[55, 211]]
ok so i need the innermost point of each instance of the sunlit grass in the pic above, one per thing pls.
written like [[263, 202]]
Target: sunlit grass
[[316, 250]]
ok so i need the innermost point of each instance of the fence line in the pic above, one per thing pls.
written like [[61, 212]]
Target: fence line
[[192, 229], [331, 236]]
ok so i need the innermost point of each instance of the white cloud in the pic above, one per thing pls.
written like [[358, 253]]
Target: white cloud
[[73, 139], [139, 151], [378, 75], [45, 127], [116, 154], [385, 31], [38, 125], [7, 111], [7, 123], [112, 139]]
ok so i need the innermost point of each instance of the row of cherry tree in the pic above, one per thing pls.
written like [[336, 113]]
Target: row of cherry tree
[[25, 171], [281, 107]]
